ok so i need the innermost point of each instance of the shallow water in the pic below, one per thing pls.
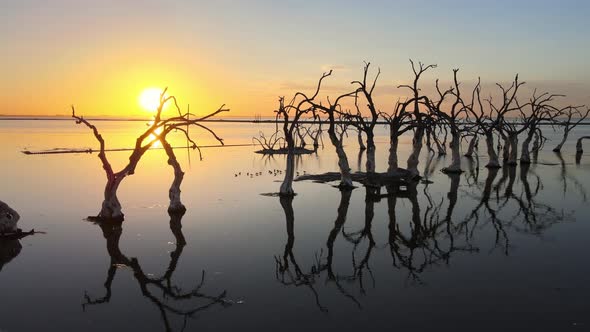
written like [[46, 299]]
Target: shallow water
[[440, 259]]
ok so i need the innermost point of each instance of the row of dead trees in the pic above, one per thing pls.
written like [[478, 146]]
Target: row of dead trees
[[443, 119]]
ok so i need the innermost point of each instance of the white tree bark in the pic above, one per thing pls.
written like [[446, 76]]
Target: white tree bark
[[525, 155], [111, 207], [506, 149], [345, 177], [8, 218], [492, 155], [413, 160], [455, 166], [287, 185]]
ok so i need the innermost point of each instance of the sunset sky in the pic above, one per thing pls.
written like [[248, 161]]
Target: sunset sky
[[100, 55]]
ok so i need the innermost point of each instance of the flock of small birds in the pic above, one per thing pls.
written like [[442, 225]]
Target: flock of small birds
[[273, 172]]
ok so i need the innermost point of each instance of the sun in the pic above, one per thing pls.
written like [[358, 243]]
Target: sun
[[149, 99]]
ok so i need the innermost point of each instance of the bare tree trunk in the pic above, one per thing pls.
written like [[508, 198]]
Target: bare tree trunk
[[287, 185], [176, 205], [455, 166], [345, 178], [472, 146], [360, 140], [506, 148], [370, 153], [392, 160], [111, 207], [413, 160], [560, 145], [525, 156], [513, 139], [493, 162]]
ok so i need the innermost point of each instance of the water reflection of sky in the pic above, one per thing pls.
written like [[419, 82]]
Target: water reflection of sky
[[531, 275]]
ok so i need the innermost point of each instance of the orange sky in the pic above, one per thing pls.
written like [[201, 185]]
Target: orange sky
[[100, 55]]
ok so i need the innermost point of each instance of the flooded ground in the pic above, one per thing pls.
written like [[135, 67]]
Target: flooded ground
[[486, 250]]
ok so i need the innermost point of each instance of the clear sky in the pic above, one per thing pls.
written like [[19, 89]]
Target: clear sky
[[100, 55]]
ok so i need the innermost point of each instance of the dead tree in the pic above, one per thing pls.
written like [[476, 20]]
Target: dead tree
[[271, 144], [540, 111], [157, 131], [367, 126], [486, 125], [299, 106], [400, 122], [332, 111], [508, 130], [418, 116], [453, 120], [568, 125]]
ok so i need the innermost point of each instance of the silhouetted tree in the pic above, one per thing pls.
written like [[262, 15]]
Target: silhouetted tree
[[400, 122], [332, 111], [568, 125], [157, 131], [420, 124]]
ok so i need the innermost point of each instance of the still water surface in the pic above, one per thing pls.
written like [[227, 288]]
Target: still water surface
[[479, 251]]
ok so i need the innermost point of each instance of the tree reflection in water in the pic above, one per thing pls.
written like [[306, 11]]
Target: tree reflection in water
[[170, 292], [433, 234]]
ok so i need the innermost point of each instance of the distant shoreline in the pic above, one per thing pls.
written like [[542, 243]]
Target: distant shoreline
[[225, 120]]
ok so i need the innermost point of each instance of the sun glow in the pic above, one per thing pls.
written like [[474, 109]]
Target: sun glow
[[149, 99]]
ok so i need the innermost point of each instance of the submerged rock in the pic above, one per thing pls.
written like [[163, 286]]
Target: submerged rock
[[8, 219]]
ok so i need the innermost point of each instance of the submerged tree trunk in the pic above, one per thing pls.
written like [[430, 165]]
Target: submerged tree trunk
[[493, 162], [392, 162], [472, 146], [345, 178], [525, 156], [416, 148], [370, 153], [287, 185], [111, 207], [512, 157], [506, 148], [455, 166]]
